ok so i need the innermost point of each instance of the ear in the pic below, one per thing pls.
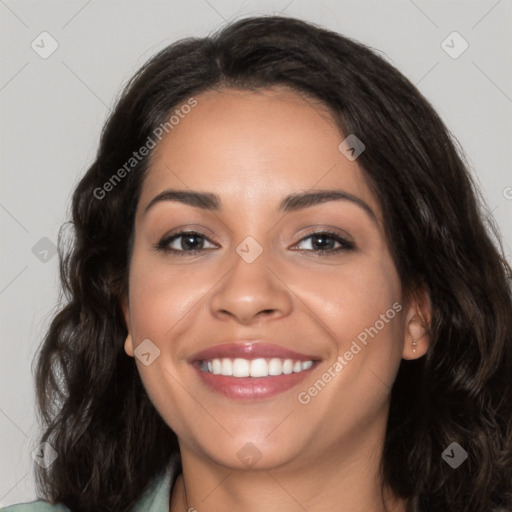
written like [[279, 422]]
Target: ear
[[417, 325], [128, 342]]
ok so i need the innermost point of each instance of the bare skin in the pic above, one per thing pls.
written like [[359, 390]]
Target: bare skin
[[252, 149]]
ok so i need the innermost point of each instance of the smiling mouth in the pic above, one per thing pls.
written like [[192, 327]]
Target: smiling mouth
[[254, 368], [251, 369]]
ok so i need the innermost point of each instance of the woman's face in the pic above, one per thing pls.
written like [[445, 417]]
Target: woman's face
[[258, 296]]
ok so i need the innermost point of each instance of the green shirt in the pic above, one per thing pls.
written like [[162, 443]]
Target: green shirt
[[155, 499]]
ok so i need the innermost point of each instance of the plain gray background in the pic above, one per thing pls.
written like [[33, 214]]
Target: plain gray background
[[53, 109]]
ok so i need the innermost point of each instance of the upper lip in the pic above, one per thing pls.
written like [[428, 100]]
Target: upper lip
[[253, 349]]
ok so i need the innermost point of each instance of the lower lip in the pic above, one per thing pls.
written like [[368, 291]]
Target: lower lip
[[250, 388]]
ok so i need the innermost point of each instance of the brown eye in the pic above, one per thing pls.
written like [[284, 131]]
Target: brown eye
[[190, 242], [324, 242]]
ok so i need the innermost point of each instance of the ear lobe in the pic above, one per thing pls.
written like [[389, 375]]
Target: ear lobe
[[128, 345], [128, 342], [417, 333]]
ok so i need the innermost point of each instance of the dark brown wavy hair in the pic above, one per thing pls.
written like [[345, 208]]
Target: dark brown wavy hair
[[110, 439]]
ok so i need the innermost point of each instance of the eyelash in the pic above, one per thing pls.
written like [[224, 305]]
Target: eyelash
[[345, 245]]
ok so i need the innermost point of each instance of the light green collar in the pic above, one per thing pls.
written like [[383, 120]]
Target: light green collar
[[157, 496]]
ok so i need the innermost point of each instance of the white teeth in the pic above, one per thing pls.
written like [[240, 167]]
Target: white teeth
[[275, 366], [216, 366], [305, 365], [254, 368], [259, 368], [240, 368], [226, 367], [287, 366]]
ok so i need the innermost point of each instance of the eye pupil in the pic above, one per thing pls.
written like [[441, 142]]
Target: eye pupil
[[324, 241], [186, 241]]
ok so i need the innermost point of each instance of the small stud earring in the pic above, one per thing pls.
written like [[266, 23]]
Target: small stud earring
[[414, 346]]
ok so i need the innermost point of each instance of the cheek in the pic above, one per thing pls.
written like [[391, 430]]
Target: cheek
[[160, 296], [352, 298], [361, 309], [160, 299]]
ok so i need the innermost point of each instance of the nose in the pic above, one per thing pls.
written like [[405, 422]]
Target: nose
[[251, 291]]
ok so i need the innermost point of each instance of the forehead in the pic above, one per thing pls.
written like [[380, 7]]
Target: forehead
[[253, 148]]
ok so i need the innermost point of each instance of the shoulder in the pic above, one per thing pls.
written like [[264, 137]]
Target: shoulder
[[155, 499], [35, 506]]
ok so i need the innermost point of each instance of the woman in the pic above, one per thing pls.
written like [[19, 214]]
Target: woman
[[282, 295]]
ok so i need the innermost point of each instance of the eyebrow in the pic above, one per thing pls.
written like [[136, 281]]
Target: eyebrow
[[291, 203]]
